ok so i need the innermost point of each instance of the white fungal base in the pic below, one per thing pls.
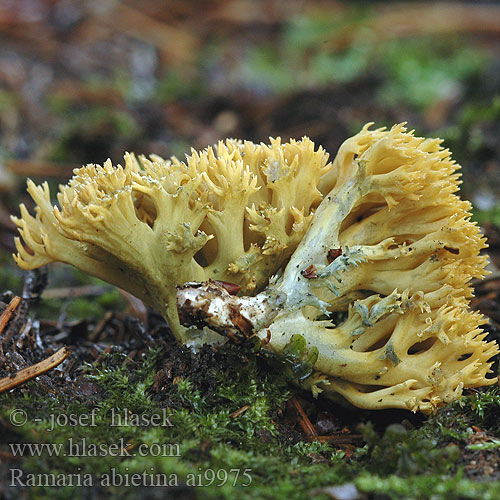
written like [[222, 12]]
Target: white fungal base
[[210, 304]]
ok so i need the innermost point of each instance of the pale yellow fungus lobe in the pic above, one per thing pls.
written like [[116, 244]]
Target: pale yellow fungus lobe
[[380, 283], [235, 212]]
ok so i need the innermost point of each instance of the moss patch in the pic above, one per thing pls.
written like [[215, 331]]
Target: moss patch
[[215, 424]]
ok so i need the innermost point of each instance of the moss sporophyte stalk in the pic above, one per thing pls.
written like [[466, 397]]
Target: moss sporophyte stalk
[[356, 271]]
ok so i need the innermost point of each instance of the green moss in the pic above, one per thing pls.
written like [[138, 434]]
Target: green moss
[[9, 101], [201, 431], [406, 453], [175, 84], [204, 444], [11, 277], [80, 308], [91, 134], [421, 71], [433, 486], [483, 216], [473, 132], [417, 71], [481, 409]]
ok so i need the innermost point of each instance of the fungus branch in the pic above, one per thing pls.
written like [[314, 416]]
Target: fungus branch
[[379, 284], [153, 224]]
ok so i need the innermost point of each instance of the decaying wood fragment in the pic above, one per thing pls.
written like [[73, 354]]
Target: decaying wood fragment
[[31, 372], [7, 312]]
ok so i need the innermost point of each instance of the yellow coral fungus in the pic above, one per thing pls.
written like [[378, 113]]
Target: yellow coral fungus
[[368, 259], [379, 284], [235, 212]]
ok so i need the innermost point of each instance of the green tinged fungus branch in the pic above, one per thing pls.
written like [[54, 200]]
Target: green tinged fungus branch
[[362, 265], [379, 284]]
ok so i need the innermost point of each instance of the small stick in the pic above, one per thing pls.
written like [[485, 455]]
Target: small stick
[[311, 433], [239, 412], [100, 326], [7, 313], [304, 421], [30, 372], [339, 438]]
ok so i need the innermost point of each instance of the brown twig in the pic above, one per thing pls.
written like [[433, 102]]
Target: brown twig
[[311, 433], [5, 455], [5, 220], [339, 438], [30, 372], [7, 313], [239, 411], [94, 334], [77, 91], [303, 420]]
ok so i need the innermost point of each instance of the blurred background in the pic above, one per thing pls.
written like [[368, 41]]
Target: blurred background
[[81, 81]]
